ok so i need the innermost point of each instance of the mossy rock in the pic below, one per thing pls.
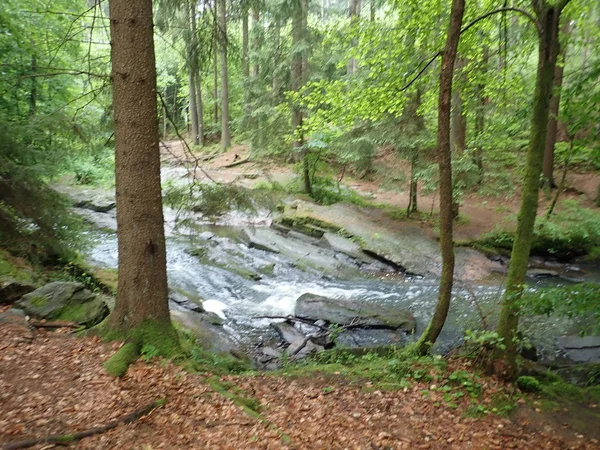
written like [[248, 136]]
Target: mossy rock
[[67, 301]]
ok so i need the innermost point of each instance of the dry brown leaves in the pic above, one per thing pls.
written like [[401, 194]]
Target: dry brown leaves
[[52, 382]]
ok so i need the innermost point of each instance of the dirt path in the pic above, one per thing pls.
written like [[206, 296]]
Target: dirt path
[[479, 213], [51, 382]]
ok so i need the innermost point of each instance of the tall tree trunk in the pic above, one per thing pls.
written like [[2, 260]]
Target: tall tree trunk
[[436, 324], [373, 9], [225, 137], [142, 291], [458, 124], [33, 90], [199, 109], [548, 166], [276, 78], [354, 14], [412, 190], [548, 48], [480, 115], [193, 108], [255, 41], [215, 64], [245, 62], [192, 64]]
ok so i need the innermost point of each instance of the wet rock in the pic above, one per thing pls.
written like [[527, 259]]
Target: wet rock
[[211, 337], [258, 240], [581, 349], [288, 332], [370, 338], [185, 302], [205, 235], [65, 301], [12, 291], [315, 307], [542, 273], [95, 205], [302, 237], [303, 348], [341, 244]]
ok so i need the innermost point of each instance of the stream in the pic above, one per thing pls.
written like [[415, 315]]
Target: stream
[[238, 299]]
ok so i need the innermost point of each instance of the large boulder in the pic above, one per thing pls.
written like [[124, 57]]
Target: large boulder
[[63, 300], [315, 307]]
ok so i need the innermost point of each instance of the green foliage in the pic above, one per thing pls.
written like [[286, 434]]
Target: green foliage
[[148, 352], [579, 301], [528, 384], [572, 231]]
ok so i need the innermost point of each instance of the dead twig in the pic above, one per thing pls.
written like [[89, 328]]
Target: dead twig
[[67, 438], [54, 324]]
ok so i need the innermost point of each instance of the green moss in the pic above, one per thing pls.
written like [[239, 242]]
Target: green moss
[[528, 384], [117, 365], [65, 439], [39, 302]]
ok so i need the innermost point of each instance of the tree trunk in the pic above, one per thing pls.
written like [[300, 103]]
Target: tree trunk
[[215, 65], [142, 291], [480, 115], [458, 125], [225, 137], [436, 324], [354, 14], [199, 109], [245, 62], [33, 91], [373, 10], [255, 41], [192, 64], [412, 190], [548, 166], [548, 20]]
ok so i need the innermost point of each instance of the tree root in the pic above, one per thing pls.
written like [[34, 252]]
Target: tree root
[[66, 439]]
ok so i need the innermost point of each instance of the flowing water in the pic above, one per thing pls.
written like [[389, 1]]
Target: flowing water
[[240, 299]]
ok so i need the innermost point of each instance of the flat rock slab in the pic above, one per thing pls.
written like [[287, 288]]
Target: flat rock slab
[[581, 349], [315, 307], [288, 332]]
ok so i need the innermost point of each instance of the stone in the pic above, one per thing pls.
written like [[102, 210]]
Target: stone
[[287, 332], [64, 300], [185, 302], [300, 349], [315, 307], [581, 349], [13, 291], [341, 244]]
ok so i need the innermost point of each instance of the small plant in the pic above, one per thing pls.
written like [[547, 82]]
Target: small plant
[[148, 352], [528, 384], [478, 344]]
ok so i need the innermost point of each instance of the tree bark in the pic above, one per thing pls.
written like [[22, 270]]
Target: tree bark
[[193, 108], [215, 65], [458, 124], [548, 49], [199, 109], [436, 324], [354, 14], [192, 64], [245, 61], [480, 115], [142, 290], [225, 136], [548, 166], [33, 90], [255, 41]]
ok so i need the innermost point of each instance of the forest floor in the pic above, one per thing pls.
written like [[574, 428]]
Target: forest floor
[[387, 184], [52, 382]]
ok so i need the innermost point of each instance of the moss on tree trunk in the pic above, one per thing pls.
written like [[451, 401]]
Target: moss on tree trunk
[[142, 295], [548, 21]]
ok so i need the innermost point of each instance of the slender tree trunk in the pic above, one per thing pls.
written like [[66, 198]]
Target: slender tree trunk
[[142, 291], [215, 65], [193, 108], [354, 14], [199, 109], [373, 10], [33, 90], [245, 62], [436, 324], [458, 124], [548, 166], [412, 190], [255, 41], [548, 21], [276, 79], [480, 116], [225, 136]]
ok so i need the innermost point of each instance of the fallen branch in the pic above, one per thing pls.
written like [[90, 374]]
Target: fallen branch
[[236, 163], [54, 324], [69, 438]]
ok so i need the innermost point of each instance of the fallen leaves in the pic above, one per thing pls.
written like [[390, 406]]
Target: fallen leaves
[[52, 382]]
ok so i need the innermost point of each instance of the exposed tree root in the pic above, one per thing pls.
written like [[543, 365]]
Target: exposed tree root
[[66, 439]]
